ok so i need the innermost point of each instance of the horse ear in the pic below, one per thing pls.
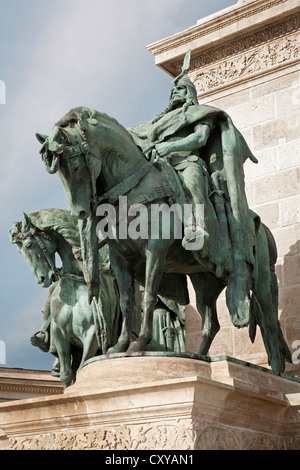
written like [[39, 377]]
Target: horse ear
[[26, 224], [41, 138]]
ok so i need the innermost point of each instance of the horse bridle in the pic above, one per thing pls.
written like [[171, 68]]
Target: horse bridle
[[82, 149], [58, 273], [112, 195], [43, 248]]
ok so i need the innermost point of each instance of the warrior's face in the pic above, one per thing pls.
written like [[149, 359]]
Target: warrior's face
[[178, 95]]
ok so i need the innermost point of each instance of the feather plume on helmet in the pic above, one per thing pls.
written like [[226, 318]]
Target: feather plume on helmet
[[183, 80]]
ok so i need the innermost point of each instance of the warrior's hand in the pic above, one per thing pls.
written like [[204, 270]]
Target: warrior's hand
[[190, 143], [163, 149]]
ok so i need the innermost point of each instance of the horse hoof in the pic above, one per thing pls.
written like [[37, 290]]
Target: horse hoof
[[137, 346], [277, 366], [239, 308], [118, 348]]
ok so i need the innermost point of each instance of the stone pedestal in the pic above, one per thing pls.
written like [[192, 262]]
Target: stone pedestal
[[160, 402]]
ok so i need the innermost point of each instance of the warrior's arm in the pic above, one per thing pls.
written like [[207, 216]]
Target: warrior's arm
[[192, 142]]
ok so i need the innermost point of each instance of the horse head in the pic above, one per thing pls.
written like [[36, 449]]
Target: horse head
[[37, 248], [83, 144], [66, 152]]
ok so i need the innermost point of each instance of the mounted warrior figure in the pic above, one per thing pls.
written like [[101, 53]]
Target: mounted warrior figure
[[208, 152]]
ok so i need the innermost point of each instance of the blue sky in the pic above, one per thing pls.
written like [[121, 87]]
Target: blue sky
[[55, 55]]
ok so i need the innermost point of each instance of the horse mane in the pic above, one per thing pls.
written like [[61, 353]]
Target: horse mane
[[60, 221], [81, 112]]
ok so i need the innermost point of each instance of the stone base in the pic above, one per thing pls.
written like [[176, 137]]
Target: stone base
[[158, 401]]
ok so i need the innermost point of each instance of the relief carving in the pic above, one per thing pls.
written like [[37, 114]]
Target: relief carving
[[245, 56], [256, 61], [136, 437], [214, 437]]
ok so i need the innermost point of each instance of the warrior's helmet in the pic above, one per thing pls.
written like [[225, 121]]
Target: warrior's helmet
[[184, 80]]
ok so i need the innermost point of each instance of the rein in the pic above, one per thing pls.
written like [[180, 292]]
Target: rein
[[57, 271], [129, 183], [43, 248], [122, 188], [73, 277], [82, 149]]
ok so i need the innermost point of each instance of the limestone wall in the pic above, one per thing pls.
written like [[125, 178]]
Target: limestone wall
[[245, 60]]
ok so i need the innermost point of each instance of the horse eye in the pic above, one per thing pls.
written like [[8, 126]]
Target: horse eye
[[28, 246]]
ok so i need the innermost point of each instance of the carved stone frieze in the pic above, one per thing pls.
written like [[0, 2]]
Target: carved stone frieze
[[253, 62], [171, 436], [196, 435], [256, 53], [213, 437]]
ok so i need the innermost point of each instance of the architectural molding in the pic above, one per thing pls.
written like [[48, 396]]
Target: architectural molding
[[274, 47], [250, 39], [16, 384], [213, 26], [168, 402], [245, 24]]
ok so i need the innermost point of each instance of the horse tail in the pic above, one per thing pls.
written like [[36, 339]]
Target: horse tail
[[255, 316]]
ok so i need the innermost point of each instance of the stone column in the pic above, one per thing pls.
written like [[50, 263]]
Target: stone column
[[245, 60]]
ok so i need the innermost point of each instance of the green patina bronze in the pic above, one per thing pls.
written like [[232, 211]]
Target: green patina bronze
[[126, 295], [72, 329], [189, 154]]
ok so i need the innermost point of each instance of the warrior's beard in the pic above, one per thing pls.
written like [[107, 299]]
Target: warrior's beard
[[176, 102]]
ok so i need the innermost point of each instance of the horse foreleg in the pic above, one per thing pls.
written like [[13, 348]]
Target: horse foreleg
[[62, 346], [266, 297], [125, 281], [155, 262], [207, 288], [90, 346]]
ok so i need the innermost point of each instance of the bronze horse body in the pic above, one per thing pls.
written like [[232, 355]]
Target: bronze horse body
[[78, 330], [94, 156]]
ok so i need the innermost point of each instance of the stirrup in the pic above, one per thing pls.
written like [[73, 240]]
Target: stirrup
[[40, 342]]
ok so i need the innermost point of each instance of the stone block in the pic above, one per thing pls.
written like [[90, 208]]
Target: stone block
[[243, 347], [289, 155], [292, 330], [269, 214], [267, 164], [289, 302], [192, 341], [278, 131], [277, 186], [223, 313], [274, 85], [287, 240], [290, 211], [252, 112], [192, 319], [223, 343], [291, 270], [231, 100], [288, 100]]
